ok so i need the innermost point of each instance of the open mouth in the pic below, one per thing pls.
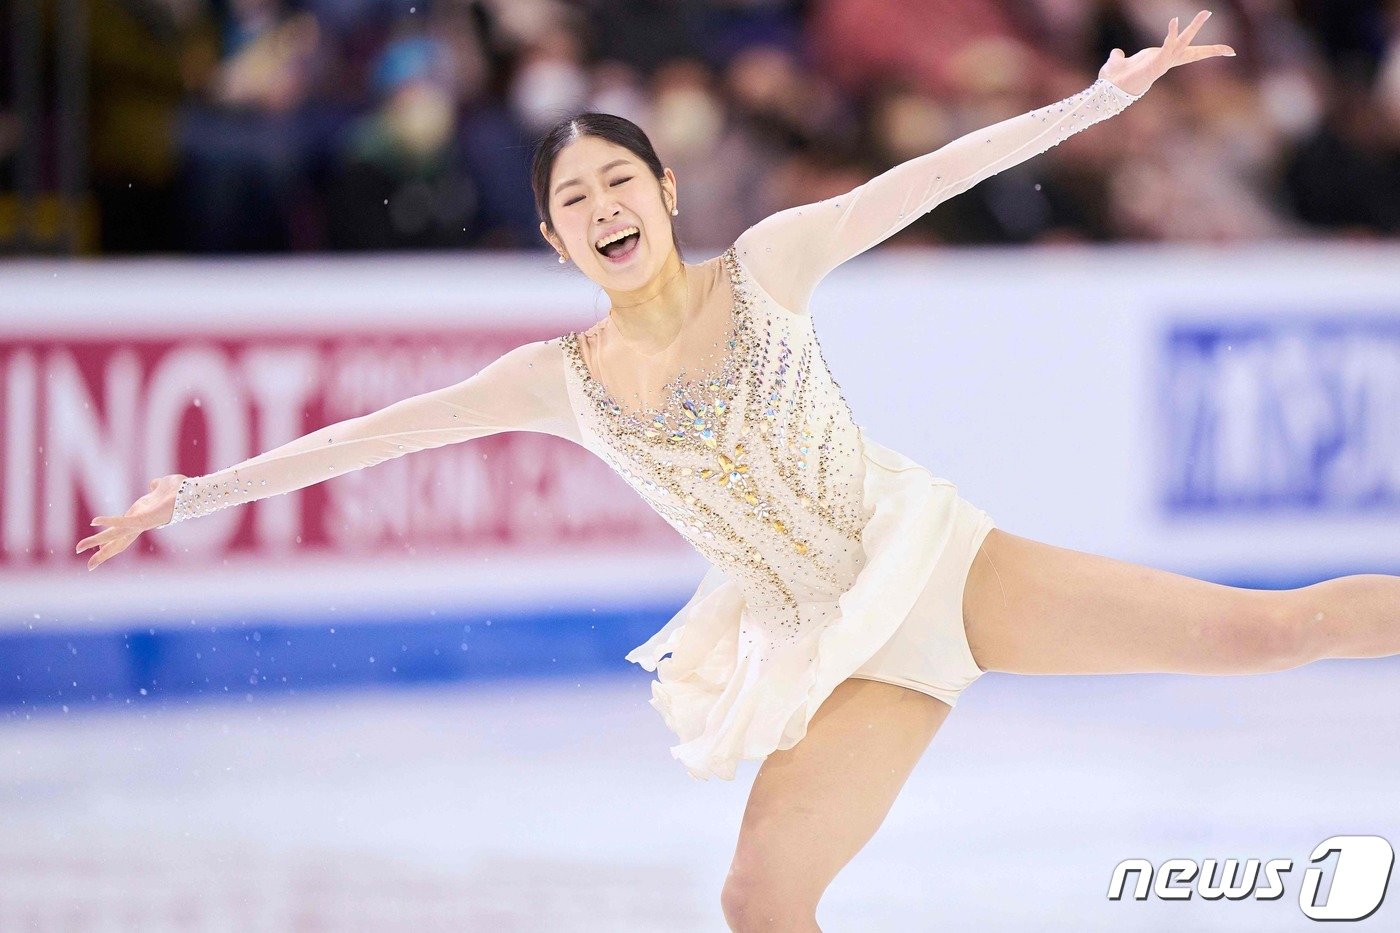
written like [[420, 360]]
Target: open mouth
[[621, 249]]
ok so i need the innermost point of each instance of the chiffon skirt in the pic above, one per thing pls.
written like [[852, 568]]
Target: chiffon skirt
[[899, 621]]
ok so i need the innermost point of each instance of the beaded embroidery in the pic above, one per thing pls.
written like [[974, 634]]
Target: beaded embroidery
[[732, 460], [194, 499]]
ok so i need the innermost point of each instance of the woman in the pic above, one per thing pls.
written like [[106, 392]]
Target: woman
[[853, 595]]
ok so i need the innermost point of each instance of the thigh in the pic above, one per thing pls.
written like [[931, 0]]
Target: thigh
[[1034, 608], [813, 806]]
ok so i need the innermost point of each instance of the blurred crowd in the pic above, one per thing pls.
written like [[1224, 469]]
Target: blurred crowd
[[299, 125]]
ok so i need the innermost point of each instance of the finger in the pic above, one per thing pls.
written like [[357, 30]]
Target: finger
[[1195, 26], [102, 537], [1196, 53], [116, 521], [97, 558], [1171, 32], [107, 552]]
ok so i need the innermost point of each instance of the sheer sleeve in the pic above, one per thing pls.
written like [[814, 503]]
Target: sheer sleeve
[[523, 390], [791, 251]]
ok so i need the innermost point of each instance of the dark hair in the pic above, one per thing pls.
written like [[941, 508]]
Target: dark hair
[[608, 126]]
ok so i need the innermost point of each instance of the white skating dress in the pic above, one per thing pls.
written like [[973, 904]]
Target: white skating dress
[[831, 555]]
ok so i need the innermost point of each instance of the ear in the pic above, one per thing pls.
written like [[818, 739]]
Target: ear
[[550, 239], [668, 187]]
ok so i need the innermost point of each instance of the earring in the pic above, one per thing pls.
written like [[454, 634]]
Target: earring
[[563, 258], [674, 211]]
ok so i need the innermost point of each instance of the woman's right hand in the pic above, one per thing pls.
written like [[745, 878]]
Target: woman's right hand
[[1136, 74], [152, 510]]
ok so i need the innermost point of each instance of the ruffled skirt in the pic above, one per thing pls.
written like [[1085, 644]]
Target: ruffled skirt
[[725, 707]]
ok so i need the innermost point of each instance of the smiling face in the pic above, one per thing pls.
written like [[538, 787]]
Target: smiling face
[[597, 187]]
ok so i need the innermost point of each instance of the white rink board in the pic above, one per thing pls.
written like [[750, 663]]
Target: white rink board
[[1034, 380]]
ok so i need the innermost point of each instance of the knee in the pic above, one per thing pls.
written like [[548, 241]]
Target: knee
[[1264, 632], [753, 900]]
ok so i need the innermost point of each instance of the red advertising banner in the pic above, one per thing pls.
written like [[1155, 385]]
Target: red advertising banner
[[87, 423]]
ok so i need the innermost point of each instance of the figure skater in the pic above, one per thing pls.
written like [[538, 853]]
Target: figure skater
[[852, 595]]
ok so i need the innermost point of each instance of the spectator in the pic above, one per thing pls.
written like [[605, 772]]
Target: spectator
[[150, 54], [249, 146], [1346, 176], [285, 125], [402, 182]]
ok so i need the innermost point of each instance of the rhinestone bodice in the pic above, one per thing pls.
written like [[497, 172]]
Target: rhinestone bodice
[[757, 463]]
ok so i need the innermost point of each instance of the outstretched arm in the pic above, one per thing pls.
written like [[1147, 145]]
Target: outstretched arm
[[792, 250], [521, 390]]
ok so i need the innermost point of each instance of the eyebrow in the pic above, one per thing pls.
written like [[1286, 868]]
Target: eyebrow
[[574, 181]]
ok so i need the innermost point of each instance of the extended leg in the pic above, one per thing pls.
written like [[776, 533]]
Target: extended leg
[[813, 806], [1358, 615], [1033, 608]]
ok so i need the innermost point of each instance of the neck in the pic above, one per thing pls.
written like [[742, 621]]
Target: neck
[[650, 316]]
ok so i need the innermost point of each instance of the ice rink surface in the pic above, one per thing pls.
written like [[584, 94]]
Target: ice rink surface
[[551, 805]]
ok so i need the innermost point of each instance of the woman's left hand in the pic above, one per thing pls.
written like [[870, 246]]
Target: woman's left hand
[[1136, 74], [153, 510]]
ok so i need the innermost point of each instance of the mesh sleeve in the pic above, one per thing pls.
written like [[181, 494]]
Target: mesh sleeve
[[791, 251], [523, 390]]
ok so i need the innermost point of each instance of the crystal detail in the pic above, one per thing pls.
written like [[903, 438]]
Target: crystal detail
[[729, 460]]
